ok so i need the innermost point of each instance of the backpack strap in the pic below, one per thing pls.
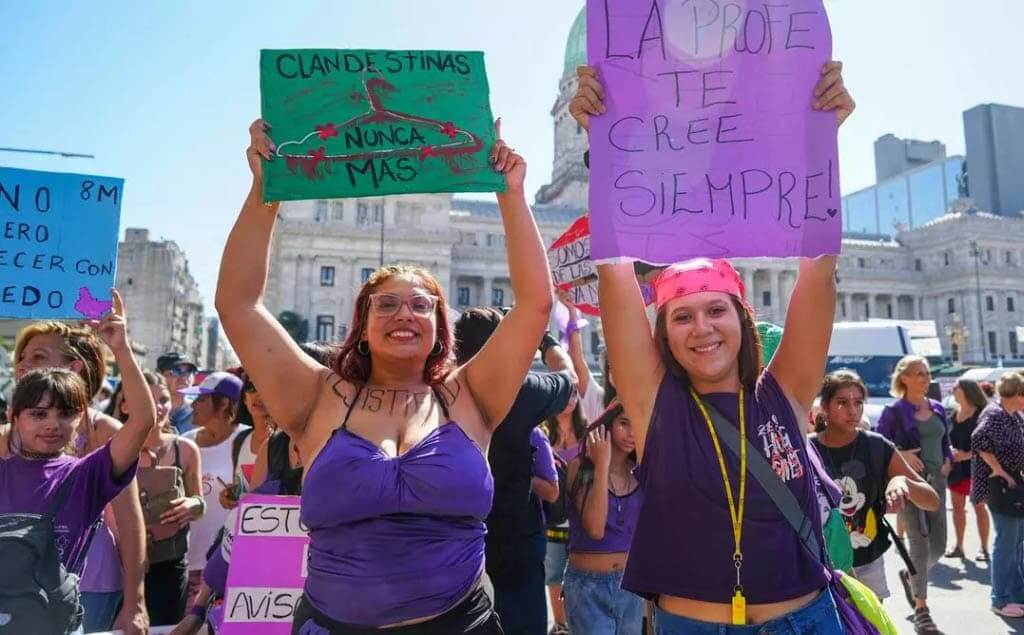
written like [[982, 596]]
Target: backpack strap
[[236, 447], [278, 462], [774, 486]]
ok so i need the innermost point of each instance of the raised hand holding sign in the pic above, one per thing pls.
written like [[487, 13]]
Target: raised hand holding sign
[[58, 243], [373, 122], [709, 135]]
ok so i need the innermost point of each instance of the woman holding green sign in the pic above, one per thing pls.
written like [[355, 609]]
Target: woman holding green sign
[[719, 555], [393, 435]]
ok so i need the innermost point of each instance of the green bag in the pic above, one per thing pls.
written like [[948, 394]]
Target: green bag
[[837, 541], [868, 604]]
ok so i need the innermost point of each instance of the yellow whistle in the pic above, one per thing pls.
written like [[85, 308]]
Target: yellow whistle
[[739, 609]]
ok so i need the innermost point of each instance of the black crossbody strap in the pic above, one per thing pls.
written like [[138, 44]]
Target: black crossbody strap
[[769, 479]]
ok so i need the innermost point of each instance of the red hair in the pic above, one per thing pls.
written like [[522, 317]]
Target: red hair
[[353, 366]]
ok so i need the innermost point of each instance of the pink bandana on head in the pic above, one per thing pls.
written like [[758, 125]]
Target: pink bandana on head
[[697, 276]]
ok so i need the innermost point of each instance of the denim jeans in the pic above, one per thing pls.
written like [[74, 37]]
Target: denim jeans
[[1007, 561], [820, 617], [555, 556], [596, 604], [101, 609]]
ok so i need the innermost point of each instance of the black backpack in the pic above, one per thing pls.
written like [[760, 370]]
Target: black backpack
[[557, 513], [37, 594]]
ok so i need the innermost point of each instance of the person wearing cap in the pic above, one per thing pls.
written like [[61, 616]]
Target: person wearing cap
[[214, 412], [178, 371]]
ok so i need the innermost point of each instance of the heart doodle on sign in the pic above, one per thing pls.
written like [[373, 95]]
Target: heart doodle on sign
[[831, 212], [90, 307]]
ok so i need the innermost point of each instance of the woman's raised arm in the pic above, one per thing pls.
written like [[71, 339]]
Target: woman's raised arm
[[289, 381], [126, 443], [496, 373], [627, 332]]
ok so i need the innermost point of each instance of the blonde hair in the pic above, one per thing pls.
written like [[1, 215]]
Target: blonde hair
[[897, 388], [79, 344], [1010, 385]]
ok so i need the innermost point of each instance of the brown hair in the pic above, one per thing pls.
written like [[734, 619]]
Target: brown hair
[[353, 366], [1010, 385], [65, 389], [750, 358], [472, 330], [79, 344], [973, 392], [837, 380], [117, 398]]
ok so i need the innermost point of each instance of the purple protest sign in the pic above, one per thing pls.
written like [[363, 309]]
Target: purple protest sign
[[268, 566], [709, 145]]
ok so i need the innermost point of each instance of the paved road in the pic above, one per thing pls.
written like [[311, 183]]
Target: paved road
[[958, 593]]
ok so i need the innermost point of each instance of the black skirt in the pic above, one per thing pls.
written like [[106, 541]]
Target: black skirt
[[473, 616]]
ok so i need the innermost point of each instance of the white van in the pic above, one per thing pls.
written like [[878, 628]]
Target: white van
[[871, 350]]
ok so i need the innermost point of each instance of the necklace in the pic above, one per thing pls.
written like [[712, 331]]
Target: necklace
[[617, 495], [739, 601]]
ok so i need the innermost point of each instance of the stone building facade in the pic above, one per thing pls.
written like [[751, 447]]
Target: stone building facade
[[166, 310]]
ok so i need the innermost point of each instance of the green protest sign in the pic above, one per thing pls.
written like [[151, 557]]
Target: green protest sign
[[373, 122]]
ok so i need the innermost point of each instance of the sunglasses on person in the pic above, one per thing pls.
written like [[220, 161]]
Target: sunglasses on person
[[181, 371], [388, 304]]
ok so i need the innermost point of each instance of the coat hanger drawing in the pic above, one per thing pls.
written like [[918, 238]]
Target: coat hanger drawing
[[298, 154]]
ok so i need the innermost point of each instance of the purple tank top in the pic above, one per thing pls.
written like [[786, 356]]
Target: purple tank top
[[395, 538], [623, 512], [683, 542]]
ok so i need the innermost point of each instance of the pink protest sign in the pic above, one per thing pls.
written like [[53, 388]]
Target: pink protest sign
[[709, 145], [268, 566]]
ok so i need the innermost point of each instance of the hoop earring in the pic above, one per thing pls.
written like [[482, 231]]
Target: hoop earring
[[437, 350], [363, 348]]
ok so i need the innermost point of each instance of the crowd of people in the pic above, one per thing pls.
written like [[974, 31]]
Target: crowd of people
[[448, 488]]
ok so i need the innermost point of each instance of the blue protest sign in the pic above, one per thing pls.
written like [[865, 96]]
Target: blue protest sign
[[58, 243]]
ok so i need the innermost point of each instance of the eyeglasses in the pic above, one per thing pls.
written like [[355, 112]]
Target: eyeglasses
[[388, 304], [181, 371]]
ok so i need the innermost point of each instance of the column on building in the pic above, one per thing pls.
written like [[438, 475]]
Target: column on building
[[780, 297], [748, 283], [486, 291], [775, 311], [846, 313]]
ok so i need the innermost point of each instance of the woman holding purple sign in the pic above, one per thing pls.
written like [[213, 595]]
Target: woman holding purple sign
[[393, 436], [718, 555]]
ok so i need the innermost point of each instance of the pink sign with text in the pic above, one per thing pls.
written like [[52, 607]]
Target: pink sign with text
[[268, 566]]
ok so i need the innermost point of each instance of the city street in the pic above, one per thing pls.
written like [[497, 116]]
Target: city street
[[958, 593]]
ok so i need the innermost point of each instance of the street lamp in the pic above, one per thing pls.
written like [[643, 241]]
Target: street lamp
[[957, 334], [976, 253]]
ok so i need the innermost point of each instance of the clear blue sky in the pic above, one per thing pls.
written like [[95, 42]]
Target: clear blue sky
[[162, 92]]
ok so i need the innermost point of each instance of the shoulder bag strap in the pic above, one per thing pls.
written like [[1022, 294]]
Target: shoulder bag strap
[[774, 486]]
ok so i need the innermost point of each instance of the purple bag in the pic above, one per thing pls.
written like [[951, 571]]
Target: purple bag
[[853, 620]]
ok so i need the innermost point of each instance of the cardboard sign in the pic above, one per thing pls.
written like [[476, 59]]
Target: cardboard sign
[[574, 272], [571, 267], [58, 243], [710, 146], [372, 122], [268, 566]]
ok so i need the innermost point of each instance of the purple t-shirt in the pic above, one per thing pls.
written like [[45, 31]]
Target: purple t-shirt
[[683, 541], [543, 461], [28, 486]]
